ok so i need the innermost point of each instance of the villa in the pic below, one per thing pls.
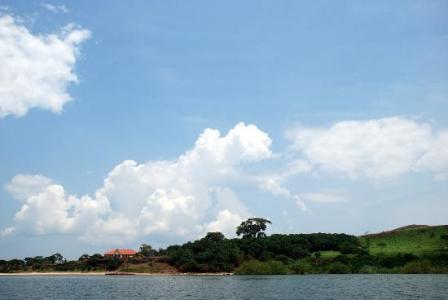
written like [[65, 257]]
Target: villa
[[121, 253]]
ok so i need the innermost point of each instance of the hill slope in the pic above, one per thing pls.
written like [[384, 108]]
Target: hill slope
[[415, 239]]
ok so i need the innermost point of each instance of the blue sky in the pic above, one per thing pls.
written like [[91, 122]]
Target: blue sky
[[349, 101]]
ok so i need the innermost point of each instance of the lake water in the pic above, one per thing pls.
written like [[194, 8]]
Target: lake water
[[226, 287]]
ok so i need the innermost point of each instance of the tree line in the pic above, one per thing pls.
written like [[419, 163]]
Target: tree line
[[253, 253]]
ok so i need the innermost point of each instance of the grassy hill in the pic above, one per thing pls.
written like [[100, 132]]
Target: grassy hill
[[415, 239]]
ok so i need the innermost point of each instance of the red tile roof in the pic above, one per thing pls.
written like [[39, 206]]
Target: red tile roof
[[121, 252]]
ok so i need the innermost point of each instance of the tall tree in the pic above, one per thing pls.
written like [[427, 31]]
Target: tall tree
[[252, 228], [147, 251]]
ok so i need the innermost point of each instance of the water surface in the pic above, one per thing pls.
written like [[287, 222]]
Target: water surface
[[226, 287]]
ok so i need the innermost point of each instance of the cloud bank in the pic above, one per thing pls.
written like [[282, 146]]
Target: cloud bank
[[36, 70], [184, 197]]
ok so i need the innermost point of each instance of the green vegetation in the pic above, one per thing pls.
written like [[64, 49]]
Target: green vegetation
[[410, 249], [56, 262], [213, 253], [153, 266], [255, 267], [417, 240], [252, 228]]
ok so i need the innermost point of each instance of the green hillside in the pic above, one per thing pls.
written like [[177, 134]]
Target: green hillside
[[415, 239]]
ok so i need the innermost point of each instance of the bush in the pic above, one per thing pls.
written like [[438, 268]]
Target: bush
[[348, 247], [338, 268], [343, 259], [419, 267], [398, 260], [67, 266], [368, 270], [277, 268], [112, 264], [189, 266], [301, 267], [252, 267], [255, 267]]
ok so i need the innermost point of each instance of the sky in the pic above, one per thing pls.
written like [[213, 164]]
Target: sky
[[129, 122]]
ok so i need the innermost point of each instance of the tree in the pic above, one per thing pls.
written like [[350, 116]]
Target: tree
[[147, 251], [84, 257], [252, 228], [56, 258], [214, 236]]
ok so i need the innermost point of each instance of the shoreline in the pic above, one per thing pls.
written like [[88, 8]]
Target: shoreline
[[110, 274]]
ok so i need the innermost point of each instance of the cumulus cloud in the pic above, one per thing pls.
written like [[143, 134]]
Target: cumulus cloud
[[225, 222], [184, 197], [23, 187], [381, 148], [36, 70]]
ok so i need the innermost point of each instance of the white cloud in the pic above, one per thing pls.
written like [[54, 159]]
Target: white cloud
[[380, 148], [46, 212], [275, 182], [225, 222], [184, 197], [325, 197], [435, 158], [23, 187], [55, 8], [36, 70]]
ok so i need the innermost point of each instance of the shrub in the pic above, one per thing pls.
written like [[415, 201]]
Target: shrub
[[67, 266], [423, 267], [338, 268], [252, 267], [368, 270], [277, 268], [344, 259], [112, 264], [397, 260], [347, 247], [419, 267], [255, 267], [189, 266], [301, 267]]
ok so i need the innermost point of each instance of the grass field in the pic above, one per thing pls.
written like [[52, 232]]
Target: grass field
[[415, 239]]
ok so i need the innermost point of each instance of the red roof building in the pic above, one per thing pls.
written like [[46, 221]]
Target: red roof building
[[121, 253]]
